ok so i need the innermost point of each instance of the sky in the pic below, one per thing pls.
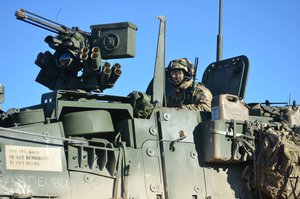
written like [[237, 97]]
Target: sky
[[267, 32]]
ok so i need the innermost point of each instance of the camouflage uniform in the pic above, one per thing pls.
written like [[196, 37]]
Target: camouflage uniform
[[183, 95]]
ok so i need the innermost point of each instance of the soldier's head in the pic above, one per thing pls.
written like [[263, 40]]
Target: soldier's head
[[180, 70]]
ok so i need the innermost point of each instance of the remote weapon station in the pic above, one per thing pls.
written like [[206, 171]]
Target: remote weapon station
[[79, 143]]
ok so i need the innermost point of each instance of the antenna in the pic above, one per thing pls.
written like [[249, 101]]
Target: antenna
[[159, 71], [220, 37]]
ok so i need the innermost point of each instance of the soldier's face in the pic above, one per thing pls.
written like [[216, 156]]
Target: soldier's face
[[177, 76]]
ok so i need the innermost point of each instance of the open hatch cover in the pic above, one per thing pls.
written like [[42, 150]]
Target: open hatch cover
[[227, 76]]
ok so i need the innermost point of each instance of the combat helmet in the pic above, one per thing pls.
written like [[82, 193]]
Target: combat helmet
[[182, 64]]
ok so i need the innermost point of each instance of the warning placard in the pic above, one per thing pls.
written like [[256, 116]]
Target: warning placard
[[33, 158]]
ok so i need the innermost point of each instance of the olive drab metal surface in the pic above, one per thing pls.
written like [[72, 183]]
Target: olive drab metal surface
[[159, 79], [79, 143]]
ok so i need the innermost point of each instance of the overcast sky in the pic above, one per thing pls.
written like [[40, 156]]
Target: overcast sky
[[267, 32]]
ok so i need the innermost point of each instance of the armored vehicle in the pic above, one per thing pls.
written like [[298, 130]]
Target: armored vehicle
[[79, 143]]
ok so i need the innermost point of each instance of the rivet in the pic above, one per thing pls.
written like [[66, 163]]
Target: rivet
[[193, 154], [197, 189], [45, 133], [133, 197], [150, 152], [153, 131], [88, 179], [154, 187], [167, 116]]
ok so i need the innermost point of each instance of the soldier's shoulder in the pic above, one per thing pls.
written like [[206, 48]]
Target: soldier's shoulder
[[201, 89], [199, 85]]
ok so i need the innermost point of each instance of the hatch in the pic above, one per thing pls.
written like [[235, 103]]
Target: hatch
[[227, 76]]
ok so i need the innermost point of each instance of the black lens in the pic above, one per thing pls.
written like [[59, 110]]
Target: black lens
[[64, 60]]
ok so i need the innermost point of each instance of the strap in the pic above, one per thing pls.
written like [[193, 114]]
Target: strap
[[122, 173], [119, 169]]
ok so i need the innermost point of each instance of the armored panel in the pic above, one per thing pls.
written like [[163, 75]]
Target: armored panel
[[152, 176], [116, 40], [178, 123], [87, 122], [29, 116], [225, 182], [229, 107], [227, 76], [86, 185], [183, 171], [33, 165]]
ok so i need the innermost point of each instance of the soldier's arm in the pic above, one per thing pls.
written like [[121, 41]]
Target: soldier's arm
[[202, 98]]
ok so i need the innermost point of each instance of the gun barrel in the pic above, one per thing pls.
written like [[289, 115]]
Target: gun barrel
[[36, 20]]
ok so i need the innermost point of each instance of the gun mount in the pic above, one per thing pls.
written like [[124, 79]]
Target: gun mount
[[77, 60]]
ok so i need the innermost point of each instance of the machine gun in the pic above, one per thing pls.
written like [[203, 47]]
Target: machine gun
[[76, 62]]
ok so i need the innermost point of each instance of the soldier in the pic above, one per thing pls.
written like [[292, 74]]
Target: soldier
[[194, 96]]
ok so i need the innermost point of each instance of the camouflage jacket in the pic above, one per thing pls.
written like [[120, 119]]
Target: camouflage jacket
[[184, 95]]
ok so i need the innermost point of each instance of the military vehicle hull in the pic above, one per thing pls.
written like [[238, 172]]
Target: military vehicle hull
[[160, 157]]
